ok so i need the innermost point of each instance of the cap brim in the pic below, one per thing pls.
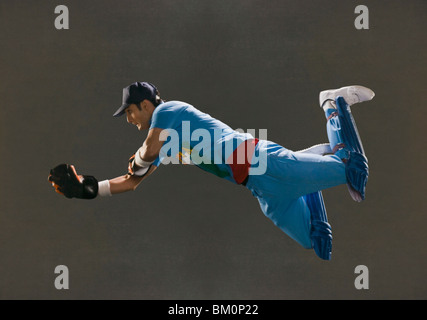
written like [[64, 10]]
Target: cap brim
[[120, 111]]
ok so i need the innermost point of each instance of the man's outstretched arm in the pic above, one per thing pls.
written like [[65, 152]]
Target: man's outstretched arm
[[67, 182], [128, 182]]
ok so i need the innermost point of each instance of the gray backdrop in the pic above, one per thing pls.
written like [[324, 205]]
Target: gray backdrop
[[186, 234]]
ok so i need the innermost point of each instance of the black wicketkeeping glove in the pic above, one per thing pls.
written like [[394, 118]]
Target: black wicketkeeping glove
[[67, 182]]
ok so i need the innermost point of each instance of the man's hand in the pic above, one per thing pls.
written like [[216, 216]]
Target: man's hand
[[131, 169], [67, 182]]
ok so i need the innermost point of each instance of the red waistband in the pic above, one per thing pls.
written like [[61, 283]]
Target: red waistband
[[240, 160]]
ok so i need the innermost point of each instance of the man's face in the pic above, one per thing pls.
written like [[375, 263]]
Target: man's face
[[139, 117]]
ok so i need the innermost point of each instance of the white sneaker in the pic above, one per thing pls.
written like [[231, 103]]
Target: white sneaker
[[351, 94]]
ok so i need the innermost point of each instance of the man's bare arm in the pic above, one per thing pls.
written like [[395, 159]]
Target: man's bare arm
[[127, 182], [148, 152], [151, 147], [66, 181]]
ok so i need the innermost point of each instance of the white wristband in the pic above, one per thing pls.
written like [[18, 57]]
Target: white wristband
[[139, 162], [104, 188]]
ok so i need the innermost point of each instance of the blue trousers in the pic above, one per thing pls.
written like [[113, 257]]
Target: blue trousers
[[288, 177]]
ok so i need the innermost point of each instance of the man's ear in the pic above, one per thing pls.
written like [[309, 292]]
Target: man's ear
[[144, 105], [147, 105]]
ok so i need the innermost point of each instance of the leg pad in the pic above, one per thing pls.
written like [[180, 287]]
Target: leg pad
[[357, 169], [321, 231]]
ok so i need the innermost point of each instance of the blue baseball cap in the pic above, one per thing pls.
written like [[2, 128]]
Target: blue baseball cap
[[135, 93]]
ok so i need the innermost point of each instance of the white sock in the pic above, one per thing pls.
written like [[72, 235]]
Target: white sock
[[329, 104]]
